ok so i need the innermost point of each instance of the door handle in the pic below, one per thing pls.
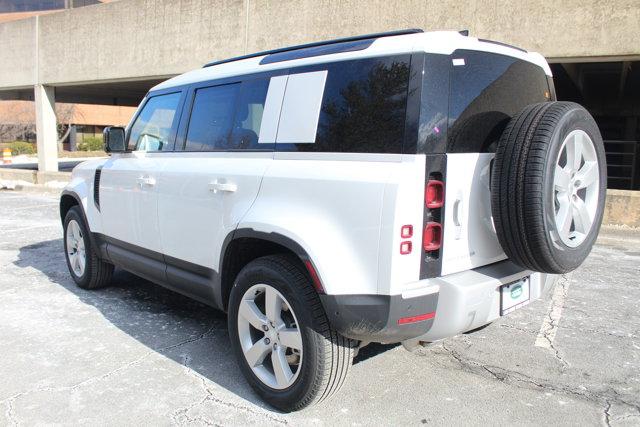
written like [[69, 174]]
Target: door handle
[[458, 216], [146, 181], [227, 187]]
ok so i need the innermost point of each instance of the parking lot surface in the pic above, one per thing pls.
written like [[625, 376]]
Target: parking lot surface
[[138, 354]]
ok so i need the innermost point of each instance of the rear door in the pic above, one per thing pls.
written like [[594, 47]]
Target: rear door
[[486, 90], [210, 181]]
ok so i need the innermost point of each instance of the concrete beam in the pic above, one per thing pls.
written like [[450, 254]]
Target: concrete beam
[[46, 131], [137, 39]]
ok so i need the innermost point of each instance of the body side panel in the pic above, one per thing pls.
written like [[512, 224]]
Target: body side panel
[[402, 205], [331, 205]]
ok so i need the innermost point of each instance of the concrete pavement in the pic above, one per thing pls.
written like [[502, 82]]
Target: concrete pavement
[[138, 354]]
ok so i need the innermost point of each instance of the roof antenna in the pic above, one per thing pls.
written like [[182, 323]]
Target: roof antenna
[[464, 33]]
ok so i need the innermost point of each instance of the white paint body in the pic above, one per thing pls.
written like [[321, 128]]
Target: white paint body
[[470, 239], [345, 210]]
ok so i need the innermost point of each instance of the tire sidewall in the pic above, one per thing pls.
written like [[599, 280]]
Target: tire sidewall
[[567, 257], [255, 273], [73, 214]]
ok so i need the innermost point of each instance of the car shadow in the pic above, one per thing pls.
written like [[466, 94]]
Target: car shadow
[[186, 331]]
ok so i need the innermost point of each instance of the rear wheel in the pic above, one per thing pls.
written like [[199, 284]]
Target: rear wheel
[[86, 268], [281, 336]]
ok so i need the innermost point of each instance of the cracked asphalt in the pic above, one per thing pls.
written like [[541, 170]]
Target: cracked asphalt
[[137, 354]]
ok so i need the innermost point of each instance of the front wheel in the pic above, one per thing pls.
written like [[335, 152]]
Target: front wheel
[[87, 270], [285, 346]]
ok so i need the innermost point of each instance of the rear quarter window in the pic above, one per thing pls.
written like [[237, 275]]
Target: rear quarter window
[[487, 89], [363, 107]]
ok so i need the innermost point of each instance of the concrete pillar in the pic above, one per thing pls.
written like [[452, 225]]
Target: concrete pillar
[[46, 133]]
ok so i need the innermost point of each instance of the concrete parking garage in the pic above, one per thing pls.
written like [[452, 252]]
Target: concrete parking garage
[[138, 354]]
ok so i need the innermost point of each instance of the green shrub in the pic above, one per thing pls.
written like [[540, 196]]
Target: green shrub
[[21, 147], [91, 143]]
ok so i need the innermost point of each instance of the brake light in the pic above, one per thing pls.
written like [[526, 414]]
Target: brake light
[[433, 220], [434, 194], [432, 236]]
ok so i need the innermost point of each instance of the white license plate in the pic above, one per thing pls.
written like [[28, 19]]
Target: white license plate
[[514, 295]]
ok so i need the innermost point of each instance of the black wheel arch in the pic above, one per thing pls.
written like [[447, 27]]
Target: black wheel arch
[[243, 245], [69, 199]]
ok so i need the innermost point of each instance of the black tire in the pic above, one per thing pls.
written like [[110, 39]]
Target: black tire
[[97, 273], [522, 186], [327, 355]]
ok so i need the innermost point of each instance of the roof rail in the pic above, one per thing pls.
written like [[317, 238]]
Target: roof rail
[[316, 44]]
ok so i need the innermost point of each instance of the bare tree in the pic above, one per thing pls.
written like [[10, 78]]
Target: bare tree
[[17, 121], [66, 114]]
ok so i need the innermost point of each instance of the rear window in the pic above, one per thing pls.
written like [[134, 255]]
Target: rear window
[[363, 107], [488, 89], [211, 118]]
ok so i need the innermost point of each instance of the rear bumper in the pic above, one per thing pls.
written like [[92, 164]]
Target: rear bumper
[[471, 299], [374, 318], [459, 302]]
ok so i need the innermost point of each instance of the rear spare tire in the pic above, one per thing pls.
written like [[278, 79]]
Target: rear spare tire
[[548, 187]]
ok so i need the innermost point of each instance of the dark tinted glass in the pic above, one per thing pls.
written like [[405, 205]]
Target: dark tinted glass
[[248, 117], [486, 92], [363, 106], [212, 118], [154, 127], [434, 104]]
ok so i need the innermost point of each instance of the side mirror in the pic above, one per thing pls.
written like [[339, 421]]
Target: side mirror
[[114, 139]]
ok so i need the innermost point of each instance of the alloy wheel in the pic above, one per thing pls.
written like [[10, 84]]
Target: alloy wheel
[[270, 336], [75, 248], [576, 188]]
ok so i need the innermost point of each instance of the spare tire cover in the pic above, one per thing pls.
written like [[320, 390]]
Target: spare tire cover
[[548, 187]]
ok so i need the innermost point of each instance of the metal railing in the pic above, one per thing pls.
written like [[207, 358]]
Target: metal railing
[[622, 163]]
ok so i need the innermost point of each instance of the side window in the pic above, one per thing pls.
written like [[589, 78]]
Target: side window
[[212, 118], [248, 117], [154, 126], [228, 117], [487, 89], [363, 107]]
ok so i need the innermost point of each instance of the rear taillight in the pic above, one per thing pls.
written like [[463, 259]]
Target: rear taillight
[[433, 225], [432, 236], [434, 194]]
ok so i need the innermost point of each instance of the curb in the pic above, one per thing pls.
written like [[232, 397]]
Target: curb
[[33, 181]]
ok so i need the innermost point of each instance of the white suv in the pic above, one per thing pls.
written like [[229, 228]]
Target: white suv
[[397, 187]]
